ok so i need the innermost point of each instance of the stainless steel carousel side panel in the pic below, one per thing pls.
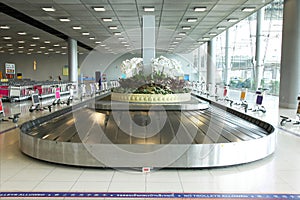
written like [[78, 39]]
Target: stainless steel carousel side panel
[[185, 156]]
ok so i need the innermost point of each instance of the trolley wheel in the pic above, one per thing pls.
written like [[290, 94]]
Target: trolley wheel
[[283, 122], [31, 109], [58, 101], [15, 120]]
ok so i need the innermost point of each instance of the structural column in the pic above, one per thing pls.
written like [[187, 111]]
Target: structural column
[[148, 42], [227, 58], [259, 66], [211, 66], [73, 62], [290, 63]]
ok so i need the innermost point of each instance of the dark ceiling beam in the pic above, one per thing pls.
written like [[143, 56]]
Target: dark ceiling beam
[[29, 20]]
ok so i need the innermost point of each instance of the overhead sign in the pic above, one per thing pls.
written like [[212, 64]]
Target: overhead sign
[[10, 68]]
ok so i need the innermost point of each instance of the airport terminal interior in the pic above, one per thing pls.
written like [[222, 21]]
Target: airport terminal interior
[[149, 99]]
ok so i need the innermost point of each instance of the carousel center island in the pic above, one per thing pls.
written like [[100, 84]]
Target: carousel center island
[[119, 131]]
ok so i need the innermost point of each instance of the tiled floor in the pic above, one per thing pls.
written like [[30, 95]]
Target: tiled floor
[[279, 173]]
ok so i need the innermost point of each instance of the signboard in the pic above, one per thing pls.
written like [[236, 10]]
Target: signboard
[[10, 68]]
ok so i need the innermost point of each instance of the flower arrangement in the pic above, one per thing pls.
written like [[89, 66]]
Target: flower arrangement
[[163, 79]]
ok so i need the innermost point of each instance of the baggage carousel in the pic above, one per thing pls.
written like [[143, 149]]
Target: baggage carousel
[[103, 133]]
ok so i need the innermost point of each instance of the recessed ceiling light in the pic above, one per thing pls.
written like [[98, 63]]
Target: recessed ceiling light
[[50, 49], [48, 9], [46, 53], [113, 27], [102, 45], [56, 45], [186, 27], [10, 49], [80, 53], [206, 38], [9, 45], [76, 27], [175, 42], [107, 19], [21, 47], [191, 19], [63, 53], [30, 49], [4, 27], [33, 45], [221, 27], [117, 33], [20, 51], [47, 42], [63, 47], [121, 38], [212, 33], [2, 51], [64, 19], [22, 33], [178, 38], [182, 33], [200, 9], [149, 9], [126, 45], [92, 38], [7, 38], [124, 42], [57, 51], [21, 41], [232, 20], [43, 47], [39, 51], [248, 9], [36, 38], [98, 42], [98, 9], [85, 33]]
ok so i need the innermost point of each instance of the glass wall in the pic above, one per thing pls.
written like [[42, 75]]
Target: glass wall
[[242, 49]]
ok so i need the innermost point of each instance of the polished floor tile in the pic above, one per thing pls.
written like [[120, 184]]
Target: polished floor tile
[[278, 173]]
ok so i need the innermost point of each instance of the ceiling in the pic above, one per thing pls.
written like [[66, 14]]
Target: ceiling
[[171, 18]]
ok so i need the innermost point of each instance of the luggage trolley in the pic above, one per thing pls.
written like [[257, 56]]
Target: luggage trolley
[[57, 96], [14, 117], [259, 100], [36, 103], [296, 121]]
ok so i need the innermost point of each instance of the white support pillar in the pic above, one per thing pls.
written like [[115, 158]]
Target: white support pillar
[[148, 42], [73, 62], [290, 51], [211, 66], [259, 67], [227, 58]]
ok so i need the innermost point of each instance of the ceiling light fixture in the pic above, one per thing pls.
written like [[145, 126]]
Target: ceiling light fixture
[[113, 27], [63, 47], [248, 9], [76, 27], [64, 19], [178, 38], [213, 34], [191, 19], [99, 9], [4, 27], [48, 9], [36, 38], [98, 42], [206, 38], [107, 19], [56, 45], [50, 49], [186, 27], [85, 33], [149, 9], [22, 33], [232, 20], [7, 38], [221, 27], [92, 38], [47, 42], [30, 49], [117, 33], [182, 33], [200, 9], [33, 45], [43, 47], [9, 45], [21, 41]]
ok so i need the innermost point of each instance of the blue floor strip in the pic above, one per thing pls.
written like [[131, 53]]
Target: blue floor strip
[[146, 195]]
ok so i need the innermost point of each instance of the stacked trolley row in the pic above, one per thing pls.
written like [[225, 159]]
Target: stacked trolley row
[[17, 90]]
